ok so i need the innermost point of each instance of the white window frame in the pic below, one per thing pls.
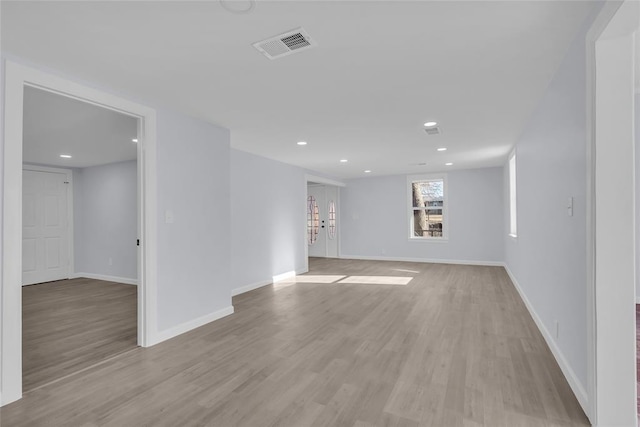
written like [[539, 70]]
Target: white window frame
[[445, 208], [512, 166]]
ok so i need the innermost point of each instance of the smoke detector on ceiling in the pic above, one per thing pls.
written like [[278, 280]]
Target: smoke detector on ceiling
[[293, 41], [433, 130]]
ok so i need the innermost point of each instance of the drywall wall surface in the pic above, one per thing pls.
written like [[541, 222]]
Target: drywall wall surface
[[106, 222], [194, 233], [268, 220], [375, 219]]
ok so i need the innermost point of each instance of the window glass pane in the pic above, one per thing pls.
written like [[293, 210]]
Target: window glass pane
[[313, 220], [332, 219], [513, 227], [428, 193], [427, 223]]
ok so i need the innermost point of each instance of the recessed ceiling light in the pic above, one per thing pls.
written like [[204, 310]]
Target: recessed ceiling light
[[430, 124], [442, 149], [344, 161], [134, 140], [302, 143], [65, 156], [367, 171], [448, 164]]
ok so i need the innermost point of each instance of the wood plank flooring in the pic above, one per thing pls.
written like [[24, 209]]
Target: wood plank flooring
[[453, 347], [70, 325]]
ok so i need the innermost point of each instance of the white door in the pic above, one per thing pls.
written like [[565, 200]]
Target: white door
[[45, 242], [323, 240]]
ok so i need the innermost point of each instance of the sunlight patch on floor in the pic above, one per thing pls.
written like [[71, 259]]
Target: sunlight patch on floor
[[405, 271], [377, 280], [313, 278]]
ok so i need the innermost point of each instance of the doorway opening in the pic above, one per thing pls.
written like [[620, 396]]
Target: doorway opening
[[322, 220], [80, 226], [18, 81]]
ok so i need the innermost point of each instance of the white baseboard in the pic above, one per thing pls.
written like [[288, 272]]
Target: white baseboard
[[424, 260], [104, 277], [190, 325], [256, 285], [569, 374], [250, 287]]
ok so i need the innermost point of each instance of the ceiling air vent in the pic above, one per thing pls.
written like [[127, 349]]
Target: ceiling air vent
[[285, 44], [433, 130]]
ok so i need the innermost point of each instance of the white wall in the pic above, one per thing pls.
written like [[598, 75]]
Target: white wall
[[105, 220], [374, 219], [548, 258], [267, 221], [193, 251]]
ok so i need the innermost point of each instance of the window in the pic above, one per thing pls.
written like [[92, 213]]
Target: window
[[313, 220], [428, 208], [513, 223], [332, 219]]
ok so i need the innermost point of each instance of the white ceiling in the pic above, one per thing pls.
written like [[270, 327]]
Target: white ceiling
[[54, 124], [381, 68]]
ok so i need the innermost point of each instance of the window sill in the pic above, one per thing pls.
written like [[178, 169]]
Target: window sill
[[429, 239]]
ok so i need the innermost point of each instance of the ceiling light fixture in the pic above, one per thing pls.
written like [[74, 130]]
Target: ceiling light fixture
[[65, 156], [247, 7], [442, 149], [344, 161], [302, 143], [448, 164], [430, 124], [134, 140], [367, 171]]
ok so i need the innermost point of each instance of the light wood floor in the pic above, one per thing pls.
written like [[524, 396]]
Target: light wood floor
[[453, 347], [69, 325]]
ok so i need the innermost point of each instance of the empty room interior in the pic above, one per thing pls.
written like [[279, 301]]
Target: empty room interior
[[79, 223], [312, 213]]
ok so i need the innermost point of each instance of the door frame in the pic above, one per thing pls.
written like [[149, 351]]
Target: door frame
[[610, 278], [18, 76], [70, 230], [308, 178]]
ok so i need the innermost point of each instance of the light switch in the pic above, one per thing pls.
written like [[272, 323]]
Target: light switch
[[168, 217], [570, 206]]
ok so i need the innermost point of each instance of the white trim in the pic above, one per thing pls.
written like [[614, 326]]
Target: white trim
[[610, 356], [321, 180], [124, 280], [191, 325], [609, 9], [250, 287], [428, 239], [570, 375], [425, 260], [637, 299], [16, 77], [70, 223], [256, 285], [284, 276]]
